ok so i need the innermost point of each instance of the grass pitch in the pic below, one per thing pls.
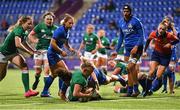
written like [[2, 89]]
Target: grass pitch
[[11, 97]]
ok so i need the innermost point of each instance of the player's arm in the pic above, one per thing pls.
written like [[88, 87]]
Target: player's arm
[[78, 92], [56, 37], [55, 46], [113, 44], [93, 75], [116, 71], [82, 45], [175, 39], [107, 44], [66, 44], [19, 44], [140, 31], [28, 46], [32, 37], [148, 41], [120, 41], [98, 45], [174, 31]]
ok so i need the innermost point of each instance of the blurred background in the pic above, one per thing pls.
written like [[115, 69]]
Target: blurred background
[[104, 14]]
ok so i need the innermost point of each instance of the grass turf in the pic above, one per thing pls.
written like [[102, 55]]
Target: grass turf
[[11, 97]]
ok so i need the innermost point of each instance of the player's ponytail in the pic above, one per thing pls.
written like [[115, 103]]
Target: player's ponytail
[[21, 20]]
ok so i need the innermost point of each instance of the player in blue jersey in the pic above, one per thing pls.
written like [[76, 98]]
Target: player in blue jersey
[[132, 32], [170, 71], [56, 53]]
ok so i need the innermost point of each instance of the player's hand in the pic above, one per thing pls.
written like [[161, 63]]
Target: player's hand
[[112, 47], [168, 45], [71, 50], [97, 85], [93, 52], [134, 50], [63, 53], [79, 54], [144, 54], [113, 55]]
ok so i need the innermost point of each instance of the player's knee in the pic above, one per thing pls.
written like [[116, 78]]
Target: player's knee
[[38, 70], [24, 66], [2, 75]]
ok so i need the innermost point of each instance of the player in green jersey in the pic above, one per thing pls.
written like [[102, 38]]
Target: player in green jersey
[[90, 42], [41, 36], [113, 44], [9, 51], [102, 52], [78, 89]]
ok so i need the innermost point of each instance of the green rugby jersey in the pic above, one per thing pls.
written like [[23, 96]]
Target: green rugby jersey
[[115, 42], [8, 47], [44, 33], [123, 67], [105, 42], [77, 78], [90, 42]]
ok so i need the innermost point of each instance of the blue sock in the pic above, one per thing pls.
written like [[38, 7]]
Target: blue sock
[[60, 83], [48, 83], [142, 82], [165, 81], [64, 87], [130, 90], [156, 85], [121, 80], [135, 87], [148, 84]]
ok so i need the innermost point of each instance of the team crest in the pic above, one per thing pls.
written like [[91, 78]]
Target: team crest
[[42, 30], [130, 26]]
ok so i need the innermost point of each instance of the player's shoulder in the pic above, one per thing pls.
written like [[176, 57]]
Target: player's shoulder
[[153, 33], [55, 26], [60, 29], [18, 29]]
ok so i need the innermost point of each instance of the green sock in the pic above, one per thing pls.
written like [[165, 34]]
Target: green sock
[[25, 80], [37, 76]]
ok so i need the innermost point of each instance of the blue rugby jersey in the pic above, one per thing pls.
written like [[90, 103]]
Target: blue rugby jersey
[[132, 32], [61, 35]]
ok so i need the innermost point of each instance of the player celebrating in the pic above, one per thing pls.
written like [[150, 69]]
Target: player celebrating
[[160, 57], [56, 54], [132, 32], [41, 35], [9, 51]]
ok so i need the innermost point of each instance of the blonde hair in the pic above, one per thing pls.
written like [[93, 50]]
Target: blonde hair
[[86, 63], [163, 24], [48, 13], [20, 21], [66, 18], [90, 26]]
